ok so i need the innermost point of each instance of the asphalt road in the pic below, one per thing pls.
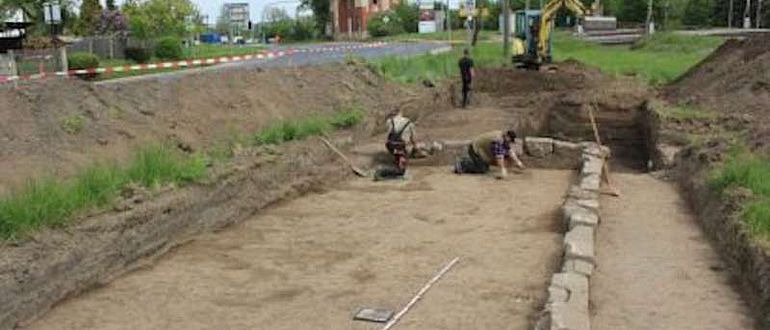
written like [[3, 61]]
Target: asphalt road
[[301, 58]]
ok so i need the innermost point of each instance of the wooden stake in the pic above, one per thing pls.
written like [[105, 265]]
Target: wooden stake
[[606, 167], [419, 294]]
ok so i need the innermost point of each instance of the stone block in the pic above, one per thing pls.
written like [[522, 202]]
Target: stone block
[[591, 148], [590, 182], [588, 204], [538, 147], [582, 217], [518, 147], [575, 284], [578, 266], [579, 244], [567, 307], [567, 150], [592, 165], [577, 215], [576, 192], [565, 316]]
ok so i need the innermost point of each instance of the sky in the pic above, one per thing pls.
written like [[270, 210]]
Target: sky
[[212, 8]]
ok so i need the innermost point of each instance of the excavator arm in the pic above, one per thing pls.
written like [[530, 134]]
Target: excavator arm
[[547, 17]]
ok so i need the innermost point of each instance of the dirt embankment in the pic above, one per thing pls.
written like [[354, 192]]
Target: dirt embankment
[[195, 113], [57, 127], [556, 104], [734, 81]]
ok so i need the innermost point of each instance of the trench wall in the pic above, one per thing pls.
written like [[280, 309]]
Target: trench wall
[[37, 274]]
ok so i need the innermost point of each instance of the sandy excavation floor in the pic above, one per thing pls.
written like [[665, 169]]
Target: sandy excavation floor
[[310, 263], [656, 268]]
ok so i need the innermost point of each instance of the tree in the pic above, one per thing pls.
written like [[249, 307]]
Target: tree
[[277, 14], [156, 18], [90, 12], [698, 13], [409, 14], [321, 12], [111, 5]]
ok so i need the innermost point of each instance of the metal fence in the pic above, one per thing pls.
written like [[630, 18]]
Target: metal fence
[[103, 47], [37, 61]]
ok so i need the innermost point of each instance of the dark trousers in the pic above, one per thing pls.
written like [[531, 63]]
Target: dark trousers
[[471, 163], [466, 92]]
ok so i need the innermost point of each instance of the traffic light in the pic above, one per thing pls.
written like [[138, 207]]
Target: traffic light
[[249, 25]]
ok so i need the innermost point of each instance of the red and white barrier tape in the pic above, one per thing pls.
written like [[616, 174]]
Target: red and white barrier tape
[[189, 63]]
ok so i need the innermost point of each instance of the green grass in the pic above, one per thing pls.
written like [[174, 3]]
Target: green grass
[[457, 36], [73, 124], [657, 61], [750, 171], [51, 202], [433, 67], [684, 112], [209, 50], [290, 130]]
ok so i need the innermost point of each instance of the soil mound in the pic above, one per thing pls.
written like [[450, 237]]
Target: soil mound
[[735, 81], [57, 127]]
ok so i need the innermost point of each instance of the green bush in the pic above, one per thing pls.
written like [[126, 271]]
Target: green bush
[[138, 54], [385, 23], [80, 61], [169, 48], [409, 15]]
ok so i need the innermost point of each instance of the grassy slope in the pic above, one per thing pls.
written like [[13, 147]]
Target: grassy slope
[[658, 60], [51, 202], [432, 67]]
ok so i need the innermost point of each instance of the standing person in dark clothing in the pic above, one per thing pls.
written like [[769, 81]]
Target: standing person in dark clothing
[[467, 73]]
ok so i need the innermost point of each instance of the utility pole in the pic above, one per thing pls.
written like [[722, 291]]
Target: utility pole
[[449, 21], [759, 14], [730, 15], [526, 5], [506, 30]]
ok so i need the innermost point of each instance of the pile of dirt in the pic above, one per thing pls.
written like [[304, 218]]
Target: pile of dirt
[[556, 104], [57, 127], [735, 81]]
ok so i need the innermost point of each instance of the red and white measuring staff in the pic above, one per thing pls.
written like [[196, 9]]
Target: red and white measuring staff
[[189, 63]]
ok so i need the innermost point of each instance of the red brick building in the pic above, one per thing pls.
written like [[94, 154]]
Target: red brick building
[[349, 17]]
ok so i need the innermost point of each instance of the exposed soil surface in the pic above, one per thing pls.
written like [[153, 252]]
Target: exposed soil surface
[[735, 81], [312, 262], [656, 268], [57, 127]]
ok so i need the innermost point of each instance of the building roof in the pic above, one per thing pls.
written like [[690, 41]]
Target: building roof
[[14, 16]]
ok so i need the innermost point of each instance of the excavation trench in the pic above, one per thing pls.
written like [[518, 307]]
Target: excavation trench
[[311, 262]]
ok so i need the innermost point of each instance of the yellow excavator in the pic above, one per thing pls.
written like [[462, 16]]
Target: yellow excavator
[[532, 32]]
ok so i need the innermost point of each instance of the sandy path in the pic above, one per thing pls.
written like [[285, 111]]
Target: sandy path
[[310, 263], [656, 269]]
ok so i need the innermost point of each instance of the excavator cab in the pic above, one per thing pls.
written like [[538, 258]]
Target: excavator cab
[[532, 32], [525, 39]]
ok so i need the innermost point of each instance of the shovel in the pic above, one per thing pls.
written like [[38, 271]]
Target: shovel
[[353, 167]]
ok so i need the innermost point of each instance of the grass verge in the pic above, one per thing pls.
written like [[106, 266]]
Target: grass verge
[[52, 202], [750, 171], [433, 67], [290, 130], [657, 60]]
